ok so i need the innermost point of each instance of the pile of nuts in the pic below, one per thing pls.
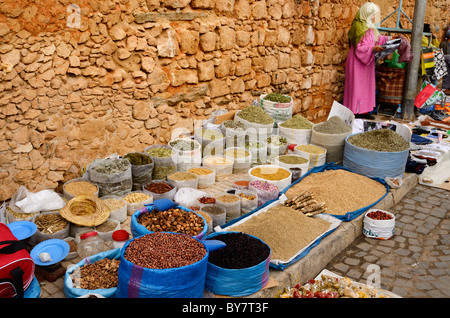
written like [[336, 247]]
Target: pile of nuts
[[172, 220], [99, 275], [164, 250]]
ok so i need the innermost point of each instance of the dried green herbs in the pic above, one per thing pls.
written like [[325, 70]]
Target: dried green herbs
[[334, 125], [292, 160], [297, 122], [138, 159], [212, 134], [255, 114], [233, 124], [277, 98], [160, 152], [379, 140], [253, 144], [277, 140], [112, 166], [184, 145]]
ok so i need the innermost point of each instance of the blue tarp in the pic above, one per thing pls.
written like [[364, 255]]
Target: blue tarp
[[349, 216], [72, 292], [180, 282]]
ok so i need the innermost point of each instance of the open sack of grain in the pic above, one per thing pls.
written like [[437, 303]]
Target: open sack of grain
[[290, 234], [344, 194]]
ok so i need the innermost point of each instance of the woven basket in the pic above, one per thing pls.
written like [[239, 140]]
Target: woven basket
[[85, 210]]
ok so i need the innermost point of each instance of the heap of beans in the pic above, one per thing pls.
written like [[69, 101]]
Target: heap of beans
[[241, 251], [164, 250], [172, 220]]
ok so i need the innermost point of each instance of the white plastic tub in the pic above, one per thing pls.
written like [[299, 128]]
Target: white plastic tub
[[303, 166], [205, 180], [166, 195], [240, 163], [249, 200], [134, 206], [120, 213], [232, 209], [107, 235], [221, 164], [314, 159], [190, 183], [270, 169]]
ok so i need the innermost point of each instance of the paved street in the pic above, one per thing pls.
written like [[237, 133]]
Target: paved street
[[415, 262]]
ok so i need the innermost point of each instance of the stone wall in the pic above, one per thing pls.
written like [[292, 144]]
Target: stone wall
[[80, 80]]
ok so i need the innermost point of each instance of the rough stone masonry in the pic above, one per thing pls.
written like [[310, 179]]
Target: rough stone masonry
[[81, 80]]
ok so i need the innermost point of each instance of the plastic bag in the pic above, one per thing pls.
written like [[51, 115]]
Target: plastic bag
[[116, 183], [188, 196], [379, 229], [394, 63], [25, 201], [163, 165], [141, 173], [280, 112]]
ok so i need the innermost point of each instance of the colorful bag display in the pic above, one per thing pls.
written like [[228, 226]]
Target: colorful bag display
[[427, 61], [440, 69], [428, 95], [16, 265]]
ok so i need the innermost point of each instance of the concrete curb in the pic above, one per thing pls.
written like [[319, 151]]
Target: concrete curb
[[317, 259]]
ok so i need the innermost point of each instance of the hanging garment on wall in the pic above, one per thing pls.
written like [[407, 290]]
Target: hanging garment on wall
[[440, 69], [427, 61], [404, 50]]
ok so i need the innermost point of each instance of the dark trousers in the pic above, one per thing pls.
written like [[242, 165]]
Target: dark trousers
[[446, 78]]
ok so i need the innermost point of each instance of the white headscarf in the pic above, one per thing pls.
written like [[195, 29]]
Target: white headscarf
[[367, 12]]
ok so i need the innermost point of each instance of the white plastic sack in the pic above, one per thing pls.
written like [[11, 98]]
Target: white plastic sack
[[437, 174], [188, 196], [30, 202], [378, 229]]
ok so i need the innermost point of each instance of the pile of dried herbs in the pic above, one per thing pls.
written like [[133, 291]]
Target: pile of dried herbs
[[184, 145], [334, 125], [112, 166], [160, 152], [379, 140], [297, 122], [233, 124], [277, 98], [255, 114], [138, 159]]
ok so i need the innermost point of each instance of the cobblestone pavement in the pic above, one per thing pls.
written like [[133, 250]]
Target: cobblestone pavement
[[415, 261]]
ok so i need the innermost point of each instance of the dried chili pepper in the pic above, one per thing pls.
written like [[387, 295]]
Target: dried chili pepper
[[379, 215]]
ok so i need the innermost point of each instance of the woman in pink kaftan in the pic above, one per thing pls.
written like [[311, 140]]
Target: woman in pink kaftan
[[359, 89]]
